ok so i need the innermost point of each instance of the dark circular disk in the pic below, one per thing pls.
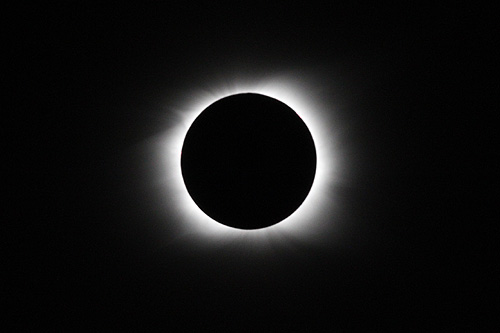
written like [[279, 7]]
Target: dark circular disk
[[248, 161]]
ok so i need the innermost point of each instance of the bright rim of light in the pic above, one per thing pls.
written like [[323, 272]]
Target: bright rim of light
[[310, 220]]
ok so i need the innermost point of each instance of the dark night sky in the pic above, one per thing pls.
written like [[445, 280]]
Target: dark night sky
[[89, 85]]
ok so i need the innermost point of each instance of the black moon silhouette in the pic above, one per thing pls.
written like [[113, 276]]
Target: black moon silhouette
[[248, 161]]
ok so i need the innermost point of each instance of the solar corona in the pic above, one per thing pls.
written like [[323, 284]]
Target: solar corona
[[207, 212]]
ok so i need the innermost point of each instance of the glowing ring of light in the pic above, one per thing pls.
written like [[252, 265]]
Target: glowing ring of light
[[310, 220]]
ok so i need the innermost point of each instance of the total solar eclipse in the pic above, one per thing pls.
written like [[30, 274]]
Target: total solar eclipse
[[248, 161]]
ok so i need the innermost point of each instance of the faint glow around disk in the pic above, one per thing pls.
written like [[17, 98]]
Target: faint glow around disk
[[311, 218]]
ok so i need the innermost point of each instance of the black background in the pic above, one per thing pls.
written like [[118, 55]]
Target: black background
[[88, 84]]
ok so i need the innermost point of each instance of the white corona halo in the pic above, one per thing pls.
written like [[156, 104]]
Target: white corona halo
[[316, 215]]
